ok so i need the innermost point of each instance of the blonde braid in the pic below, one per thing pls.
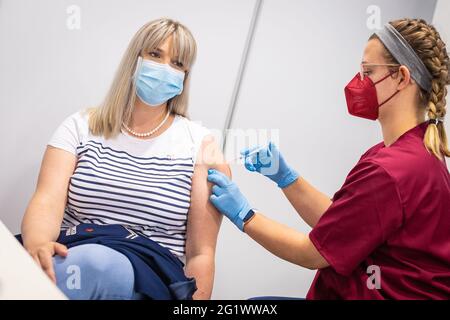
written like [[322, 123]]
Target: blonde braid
[[427, 43]]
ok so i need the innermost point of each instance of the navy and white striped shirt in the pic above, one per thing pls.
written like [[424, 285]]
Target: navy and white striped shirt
[[144, 185]]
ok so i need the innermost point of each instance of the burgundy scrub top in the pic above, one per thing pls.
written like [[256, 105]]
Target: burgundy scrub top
[[393, 211]]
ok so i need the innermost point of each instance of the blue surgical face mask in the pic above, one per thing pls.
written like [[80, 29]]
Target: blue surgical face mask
[[157, 83]]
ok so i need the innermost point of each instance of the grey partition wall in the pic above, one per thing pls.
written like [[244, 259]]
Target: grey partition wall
[[60, 56]]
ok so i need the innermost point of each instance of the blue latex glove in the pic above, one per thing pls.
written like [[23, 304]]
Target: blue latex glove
[[269, 162], [228, 199]]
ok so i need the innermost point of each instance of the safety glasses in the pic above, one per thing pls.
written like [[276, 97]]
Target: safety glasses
[[370, 65]]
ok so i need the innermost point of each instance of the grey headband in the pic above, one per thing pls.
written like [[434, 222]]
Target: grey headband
[[405, 55]]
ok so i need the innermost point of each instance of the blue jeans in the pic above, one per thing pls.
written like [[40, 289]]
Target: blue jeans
[[94, 271]]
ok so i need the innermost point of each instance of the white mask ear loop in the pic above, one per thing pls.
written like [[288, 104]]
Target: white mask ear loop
[[136, 71], [138, 68]]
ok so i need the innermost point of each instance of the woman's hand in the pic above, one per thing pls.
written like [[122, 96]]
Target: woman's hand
[[269, 162], [43, 254]]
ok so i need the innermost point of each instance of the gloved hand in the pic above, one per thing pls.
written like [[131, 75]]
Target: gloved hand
[[228, 199], [269, 162]]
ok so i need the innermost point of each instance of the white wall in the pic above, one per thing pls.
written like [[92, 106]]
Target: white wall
[[304, 53]]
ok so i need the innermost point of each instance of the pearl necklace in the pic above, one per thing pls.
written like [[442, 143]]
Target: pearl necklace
[[147, 134]]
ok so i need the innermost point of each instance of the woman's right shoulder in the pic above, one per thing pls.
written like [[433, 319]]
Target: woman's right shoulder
[[79, 119], [71, 132], [82, 115]]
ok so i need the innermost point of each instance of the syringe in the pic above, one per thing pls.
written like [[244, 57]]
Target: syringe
[[248, 154]]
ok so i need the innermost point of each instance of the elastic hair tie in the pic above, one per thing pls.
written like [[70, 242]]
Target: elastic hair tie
[[435, 121]]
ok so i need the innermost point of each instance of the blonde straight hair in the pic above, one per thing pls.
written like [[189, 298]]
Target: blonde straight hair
[[116, 108]]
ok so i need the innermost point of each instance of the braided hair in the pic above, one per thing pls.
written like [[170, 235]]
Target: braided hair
[[427, 43]]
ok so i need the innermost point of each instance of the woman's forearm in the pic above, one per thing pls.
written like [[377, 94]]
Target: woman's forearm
[[41, 222], [201, 267], [309, 202], [284, 242]]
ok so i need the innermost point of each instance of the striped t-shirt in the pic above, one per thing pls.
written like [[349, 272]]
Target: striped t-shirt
[[144, 185]]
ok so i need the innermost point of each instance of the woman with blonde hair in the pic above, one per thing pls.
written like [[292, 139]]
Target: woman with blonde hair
[[123, 185], [386, 233]]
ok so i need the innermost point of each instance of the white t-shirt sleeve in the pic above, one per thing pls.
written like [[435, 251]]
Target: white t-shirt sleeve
[[67, 135], [198, 133]]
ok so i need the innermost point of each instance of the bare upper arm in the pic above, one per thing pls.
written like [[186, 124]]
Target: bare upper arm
[[203, 219], [315, 258], [210, 156], [56, 169]]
